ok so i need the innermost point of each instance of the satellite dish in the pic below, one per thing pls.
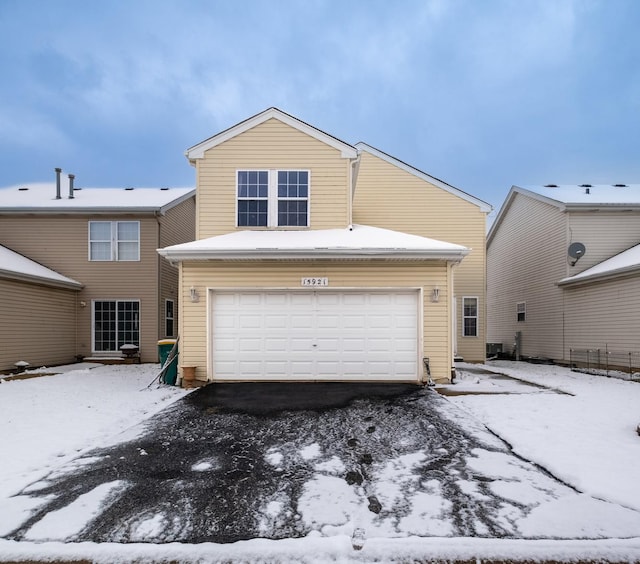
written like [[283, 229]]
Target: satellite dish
[[576, 250]]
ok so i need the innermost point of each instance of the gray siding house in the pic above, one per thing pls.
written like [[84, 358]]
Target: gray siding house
[[104, 240], [563, 270]]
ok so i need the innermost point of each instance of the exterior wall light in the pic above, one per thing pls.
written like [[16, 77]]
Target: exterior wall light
[[195, 297], [435, 295]]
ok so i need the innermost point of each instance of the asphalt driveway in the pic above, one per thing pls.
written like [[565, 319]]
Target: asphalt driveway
[[238, 461]]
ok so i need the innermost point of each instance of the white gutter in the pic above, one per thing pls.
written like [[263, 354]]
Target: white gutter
[[310, 254]]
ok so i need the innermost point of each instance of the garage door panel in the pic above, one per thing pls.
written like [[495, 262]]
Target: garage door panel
[[315, 335]]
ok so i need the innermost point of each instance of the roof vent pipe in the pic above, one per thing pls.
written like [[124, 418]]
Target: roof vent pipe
[[71, 177], [587, 191], [58, 171]]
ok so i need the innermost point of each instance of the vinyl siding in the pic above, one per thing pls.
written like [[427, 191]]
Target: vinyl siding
[[604, 234], [525, 259], [604, 314], [37, 324], [286, 275], [176, 226], [271, 145], [60, 242], [389, 197]]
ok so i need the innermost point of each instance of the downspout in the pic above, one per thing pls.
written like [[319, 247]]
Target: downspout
[[353, 178], [159, 316]]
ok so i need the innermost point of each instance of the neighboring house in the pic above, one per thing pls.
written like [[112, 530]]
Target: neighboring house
[[38, 312], [563, 267], [106, 240], [318, 260]]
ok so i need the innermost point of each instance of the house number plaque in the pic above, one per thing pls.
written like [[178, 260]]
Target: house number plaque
[[314, 282]]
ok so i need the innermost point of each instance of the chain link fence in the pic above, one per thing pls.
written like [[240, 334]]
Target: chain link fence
[[604, 362]]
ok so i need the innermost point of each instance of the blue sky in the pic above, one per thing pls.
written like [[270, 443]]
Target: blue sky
[[482, 94]]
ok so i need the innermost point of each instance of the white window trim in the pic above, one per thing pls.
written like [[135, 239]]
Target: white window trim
[[476, 316], [273, 199], [519, 311], [113, 242], [172, 318], [93, 323]]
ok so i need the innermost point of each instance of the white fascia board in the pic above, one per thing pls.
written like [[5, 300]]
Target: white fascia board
[[540, 197], [177, 201], [484, 206], [600, 277], [68, 284], [197, 151], [507, 203], [304, 254], [82, 211]]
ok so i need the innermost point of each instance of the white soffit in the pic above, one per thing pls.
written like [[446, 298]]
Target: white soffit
[[197, 151]]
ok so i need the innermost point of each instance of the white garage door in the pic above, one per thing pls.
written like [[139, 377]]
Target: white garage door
[[315, 335]]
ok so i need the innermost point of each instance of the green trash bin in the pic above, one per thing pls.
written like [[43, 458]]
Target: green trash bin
[[164, 349]]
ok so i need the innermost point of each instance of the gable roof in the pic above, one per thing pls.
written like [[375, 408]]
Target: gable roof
[[197, 151], [484, 206], [41, 198], [18, 267], [621, 264], [574, 197], [359, 241]]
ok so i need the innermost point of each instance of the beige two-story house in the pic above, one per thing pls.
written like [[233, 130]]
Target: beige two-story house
[[317, 260], [113, 288]]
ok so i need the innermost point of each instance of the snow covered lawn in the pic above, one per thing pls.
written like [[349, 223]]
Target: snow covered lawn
[[585, 437]]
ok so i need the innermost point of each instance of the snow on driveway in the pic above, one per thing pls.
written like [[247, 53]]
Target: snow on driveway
[[585, 437]]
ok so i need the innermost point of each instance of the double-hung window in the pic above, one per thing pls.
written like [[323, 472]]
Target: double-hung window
[[114, 240], [521, 311], [469, 317], [169, 317], [273, 198]]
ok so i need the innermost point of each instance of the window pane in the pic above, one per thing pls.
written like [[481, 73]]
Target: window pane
[[127, 231], [128, 323], [104, 319], [128, 251], [100, 230], [292, 213], [100, 251], [252, 213]]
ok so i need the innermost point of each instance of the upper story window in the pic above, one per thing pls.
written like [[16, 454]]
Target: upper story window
[[521, 311], [114, 240], [470, 317], [273, 198]]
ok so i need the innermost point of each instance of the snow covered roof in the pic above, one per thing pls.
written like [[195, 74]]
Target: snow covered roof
[[574, 197], [358, 242], [197, 151], [484, 206], [589, 195], [41, 197], [623, 263], [16, 266]]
